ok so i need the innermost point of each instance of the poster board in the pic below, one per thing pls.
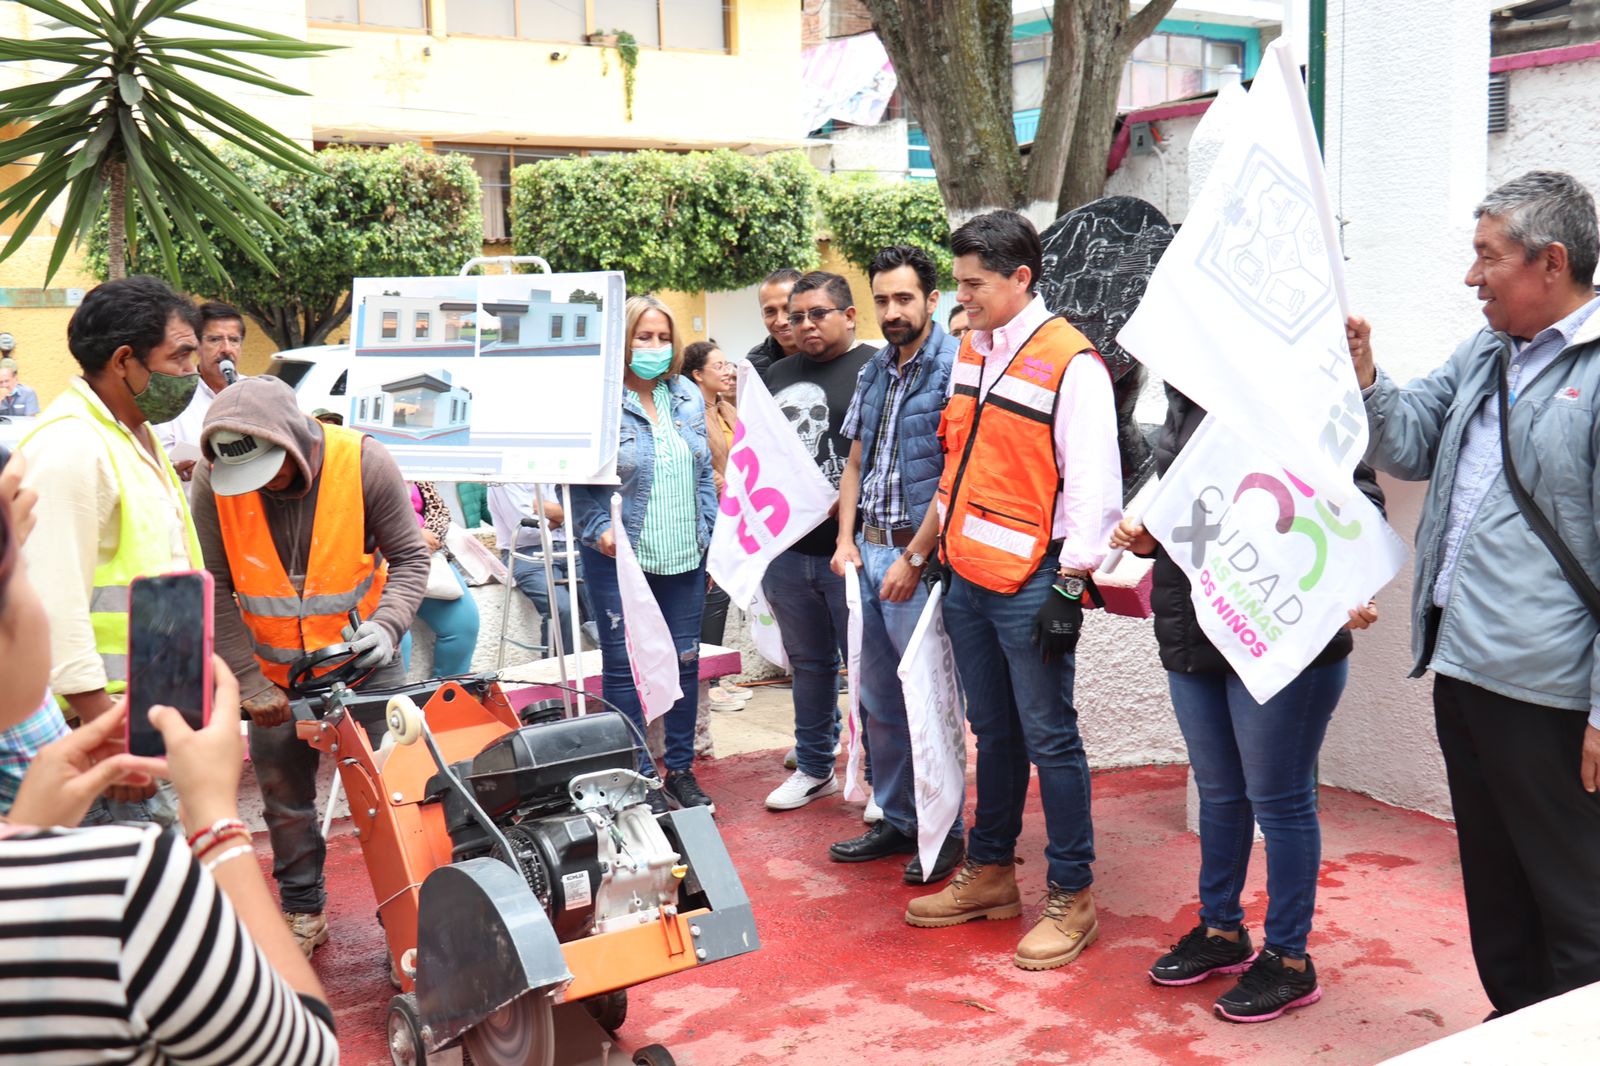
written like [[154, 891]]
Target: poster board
[[506, 377]]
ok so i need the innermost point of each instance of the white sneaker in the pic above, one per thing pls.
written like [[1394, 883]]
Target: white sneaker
[[799, 790], [874, 813]]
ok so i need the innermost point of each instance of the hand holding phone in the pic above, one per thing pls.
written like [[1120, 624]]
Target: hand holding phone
[[204, 764], [169, 654]]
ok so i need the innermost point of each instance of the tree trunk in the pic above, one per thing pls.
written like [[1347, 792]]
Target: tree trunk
[[953, 59], [116, 176], [1108, 37], [331, 320], [1063, 94]]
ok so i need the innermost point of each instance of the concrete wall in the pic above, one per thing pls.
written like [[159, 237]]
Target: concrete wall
[[1161, 178], [1551, 123]]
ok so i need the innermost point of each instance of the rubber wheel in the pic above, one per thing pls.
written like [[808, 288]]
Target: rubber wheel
[[522, 1033], [653, 1055], [405, 1033], [404, 720], [610, 1010]]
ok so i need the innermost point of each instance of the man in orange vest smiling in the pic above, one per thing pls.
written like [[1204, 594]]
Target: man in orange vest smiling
[[1031, 489], [300, 523]]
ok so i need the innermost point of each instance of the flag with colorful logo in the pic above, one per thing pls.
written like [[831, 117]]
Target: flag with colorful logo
[[652, 653]]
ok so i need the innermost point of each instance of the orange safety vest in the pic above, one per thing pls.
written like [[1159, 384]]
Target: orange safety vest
[[997, 495], [340, 573]]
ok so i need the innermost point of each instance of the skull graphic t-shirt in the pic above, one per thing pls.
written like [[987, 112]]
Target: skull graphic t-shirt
[[814, 396]]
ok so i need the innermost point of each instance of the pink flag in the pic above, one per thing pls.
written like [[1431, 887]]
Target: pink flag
[[651, 651]]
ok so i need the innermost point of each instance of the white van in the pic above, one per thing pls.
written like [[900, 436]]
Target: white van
[[319, 376]]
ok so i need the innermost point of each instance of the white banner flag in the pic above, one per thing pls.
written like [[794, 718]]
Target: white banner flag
[[764, 632], [938, 729], [1274, 566], [651, 651], [1245, 312], [773, 493], [855, 773]]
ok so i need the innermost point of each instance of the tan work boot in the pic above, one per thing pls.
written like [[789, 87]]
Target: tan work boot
[[976, 891], [310, 931], [1067, 926]]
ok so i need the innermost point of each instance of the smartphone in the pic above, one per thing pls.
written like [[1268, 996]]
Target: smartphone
[[169, 654]]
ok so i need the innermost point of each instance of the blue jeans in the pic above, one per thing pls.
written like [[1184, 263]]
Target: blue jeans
[[886, 629], [681, 598], [1257, 763], [529, 577], [807, 600], [1020, 709], [455, 630]]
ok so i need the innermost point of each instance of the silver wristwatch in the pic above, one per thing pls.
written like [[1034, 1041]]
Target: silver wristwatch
[[1072, 585], [917, 559]]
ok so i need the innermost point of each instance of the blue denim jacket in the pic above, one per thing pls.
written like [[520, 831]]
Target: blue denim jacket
[[636, 462]]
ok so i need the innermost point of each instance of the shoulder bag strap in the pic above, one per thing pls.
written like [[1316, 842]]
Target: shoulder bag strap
[[1576, 577]]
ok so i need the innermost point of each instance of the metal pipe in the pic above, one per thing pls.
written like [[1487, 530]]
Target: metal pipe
[[1317, 66]]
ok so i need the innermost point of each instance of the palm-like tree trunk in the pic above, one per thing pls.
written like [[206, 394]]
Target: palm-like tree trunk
[[115, 172]]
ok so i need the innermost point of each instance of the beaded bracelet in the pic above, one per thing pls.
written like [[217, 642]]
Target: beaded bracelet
[[232, 853], [216, 842], [201, 839]]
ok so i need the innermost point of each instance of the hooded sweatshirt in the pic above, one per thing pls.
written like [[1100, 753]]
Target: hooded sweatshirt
[[266, 408]]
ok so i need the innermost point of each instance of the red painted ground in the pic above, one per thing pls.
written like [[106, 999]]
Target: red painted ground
[[841, 977]]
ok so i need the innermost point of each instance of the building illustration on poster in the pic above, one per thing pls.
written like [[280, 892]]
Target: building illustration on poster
[[512, 377]]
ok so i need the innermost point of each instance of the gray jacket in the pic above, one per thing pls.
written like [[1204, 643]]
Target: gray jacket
[[1511, 623]]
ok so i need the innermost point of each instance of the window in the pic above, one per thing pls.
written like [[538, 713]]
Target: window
[[404, 14], [538, 20], [580, 326], [339, 386], [701, 25], [493, 164], [698, 24], [1169, 66], [556, 326], [363, 415], [639, 17], [1029, 58], [511, 329], [420, 325], [377, 408], [391, 325]]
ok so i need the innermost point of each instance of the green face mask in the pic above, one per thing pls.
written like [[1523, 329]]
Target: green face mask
[[166, 396]]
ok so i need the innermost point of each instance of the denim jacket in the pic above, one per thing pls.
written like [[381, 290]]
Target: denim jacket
[[636, 461], [1511, 623]]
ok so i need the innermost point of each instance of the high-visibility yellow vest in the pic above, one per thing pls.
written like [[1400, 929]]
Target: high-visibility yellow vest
[[144, 538], [341, 574]]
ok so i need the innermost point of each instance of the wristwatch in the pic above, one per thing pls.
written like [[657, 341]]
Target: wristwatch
[[916, 559], [1070, 584]]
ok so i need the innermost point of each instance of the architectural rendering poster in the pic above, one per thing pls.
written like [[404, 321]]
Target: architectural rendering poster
[[508, 377]]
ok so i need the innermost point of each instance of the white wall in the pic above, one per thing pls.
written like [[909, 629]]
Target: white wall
[[734, 319], [1551, 111], [1160, 178]]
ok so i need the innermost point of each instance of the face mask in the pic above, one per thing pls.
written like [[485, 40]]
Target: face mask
[[166, 396], [650, 363]]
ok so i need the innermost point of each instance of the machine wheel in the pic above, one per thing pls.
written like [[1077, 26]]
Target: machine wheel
[[405, 1033], [610, 1010], [522, 1033], [654, 1055], [405, 720]]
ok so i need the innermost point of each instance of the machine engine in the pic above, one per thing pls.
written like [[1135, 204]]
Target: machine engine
[[565, 794]]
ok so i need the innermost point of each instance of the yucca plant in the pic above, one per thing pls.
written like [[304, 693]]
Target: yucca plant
[[119, 110]]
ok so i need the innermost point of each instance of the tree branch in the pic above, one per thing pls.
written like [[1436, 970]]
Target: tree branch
[[1144, 23]]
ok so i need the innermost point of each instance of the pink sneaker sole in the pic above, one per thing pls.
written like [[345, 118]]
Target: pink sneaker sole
[[1239, 967], [1304, 1001]]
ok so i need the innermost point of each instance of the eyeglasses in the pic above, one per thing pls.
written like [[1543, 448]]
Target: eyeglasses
[[816, 315]]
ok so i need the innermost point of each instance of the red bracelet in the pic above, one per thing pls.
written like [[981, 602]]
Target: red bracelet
[[199, 840], [211, 846]]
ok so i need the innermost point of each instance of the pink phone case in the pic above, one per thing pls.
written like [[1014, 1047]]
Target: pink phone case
[[207, 682]]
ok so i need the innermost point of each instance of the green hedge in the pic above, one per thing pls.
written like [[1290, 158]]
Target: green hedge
[[864, 216], [711, 221]]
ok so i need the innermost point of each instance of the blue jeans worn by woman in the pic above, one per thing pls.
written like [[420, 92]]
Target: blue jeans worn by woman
[[455, 630], [681, 598], [1256, 763]]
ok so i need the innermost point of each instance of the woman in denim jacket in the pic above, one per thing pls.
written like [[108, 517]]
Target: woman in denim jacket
[[669, 503]]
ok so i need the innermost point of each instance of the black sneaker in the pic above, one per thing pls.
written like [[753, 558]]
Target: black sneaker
[[685, 791], [1268, 989], [657, 799], [1198, 956]]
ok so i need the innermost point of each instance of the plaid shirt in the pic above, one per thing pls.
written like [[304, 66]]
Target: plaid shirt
[[883, 501], [20, 743]]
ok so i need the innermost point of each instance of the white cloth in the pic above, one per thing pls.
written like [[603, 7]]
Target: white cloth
[[185, 429], [764, 632], [855, 774], [651, 651], [937, 724], [1274, 566], [773, 494], [509, 504], [1090, 504], [1245, 312]]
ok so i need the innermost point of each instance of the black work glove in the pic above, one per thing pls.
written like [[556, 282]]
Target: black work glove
[[1055, 629], [936, 575]]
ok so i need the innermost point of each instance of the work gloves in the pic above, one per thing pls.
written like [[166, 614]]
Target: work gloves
[[1056, 627], [936, 575], [370, 644]]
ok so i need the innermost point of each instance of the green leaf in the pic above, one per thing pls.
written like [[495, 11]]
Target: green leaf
[[132, 92], [93, 148], [229, 27], [238, 75]]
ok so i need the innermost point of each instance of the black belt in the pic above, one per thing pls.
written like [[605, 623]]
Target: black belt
[[885, 538]]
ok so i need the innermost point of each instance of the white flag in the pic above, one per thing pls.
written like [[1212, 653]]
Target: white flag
[[938, 728], [1245, 312], [651, 651], [773, 494], [1274, 566], [764, 632], [855, 774]]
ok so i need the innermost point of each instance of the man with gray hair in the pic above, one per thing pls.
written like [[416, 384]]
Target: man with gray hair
[[1504, 609]]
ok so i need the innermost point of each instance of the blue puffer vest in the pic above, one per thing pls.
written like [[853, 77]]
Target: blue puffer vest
[[921, 460]]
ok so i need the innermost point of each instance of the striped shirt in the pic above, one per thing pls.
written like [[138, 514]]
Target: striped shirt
[[883, 499], [669, 543], [117, 947], [20, 743]]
